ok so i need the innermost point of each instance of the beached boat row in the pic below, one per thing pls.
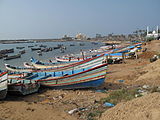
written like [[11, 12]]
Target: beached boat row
[[27, 83], [88, 73]]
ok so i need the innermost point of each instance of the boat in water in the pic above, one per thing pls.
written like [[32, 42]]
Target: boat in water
[[12, 57], [3, 84]]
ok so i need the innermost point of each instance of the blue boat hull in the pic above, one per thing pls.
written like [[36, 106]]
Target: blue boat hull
[[89, 84]]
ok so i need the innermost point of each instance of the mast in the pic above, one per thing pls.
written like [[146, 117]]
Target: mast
[[147, 30]]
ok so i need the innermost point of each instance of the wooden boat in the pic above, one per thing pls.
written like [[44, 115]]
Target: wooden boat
[[81, 44], [79, 65], [39, 64], [71, 79], [82, 64], [91, 78], [22, 52], [72, 45], [43, 46], [5, 51], [3, 55], [33, 49], [22, 87], [27, 65], [41, 67], [69, 59], [3, 84], [30, 46], [19, 69], [20, 47], [12, 57], [39, 53]]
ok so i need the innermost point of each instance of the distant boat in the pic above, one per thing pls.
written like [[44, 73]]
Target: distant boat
[[72, 44], [12, 57], [3, 84], [5, 51], [22, 52], [81, 44], [35, 49], [39, 53], [30, 46], [43, 46], [20, 47]]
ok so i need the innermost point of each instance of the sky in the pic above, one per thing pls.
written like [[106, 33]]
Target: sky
[[40, 19]]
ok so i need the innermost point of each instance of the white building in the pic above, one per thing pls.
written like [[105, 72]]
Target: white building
[[154, 33], [80, 36]]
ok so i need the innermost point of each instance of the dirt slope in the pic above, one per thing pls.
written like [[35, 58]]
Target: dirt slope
[[143, 108]]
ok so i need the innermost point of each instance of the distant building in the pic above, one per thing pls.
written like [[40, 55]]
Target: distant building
[[98, 36], [66, 37], [80, 36], [154, 33]]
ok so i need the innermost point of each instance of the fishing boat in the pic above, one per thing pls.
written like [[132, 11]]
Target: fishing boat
[[22, 52], [19, 69], [20, 47], [43, 46], [69, 59], [12, 57], [90, 78], [79, 65], [3, 55], [51, 64], [22, 87], [3, 84], [72, 45], [33, 49], [6, 51], [30, 46], [70, 79], [81, 44], [44, 67], [27, 65]]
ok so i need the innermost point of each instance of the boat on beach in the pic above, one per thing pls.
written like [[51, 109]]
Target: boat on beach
[[19, 69], [83, 64], [27, 65], [3, 84], [69, 79], [22, 87], [90, 78]]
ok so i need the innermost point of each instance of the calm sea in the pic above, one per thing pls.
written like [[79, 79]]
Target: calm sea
[[45, 55]]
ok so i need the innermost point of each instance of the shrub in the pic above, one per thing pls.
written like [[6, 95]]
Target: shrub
[[120, 95]]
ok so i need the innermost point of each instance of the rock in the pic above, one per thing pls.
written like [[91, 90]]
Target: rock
[[144, 93], [145, 86], [73, 111]]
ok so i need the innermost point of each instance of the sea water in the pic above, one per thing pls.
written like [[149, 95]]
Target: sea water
[[46, 56]]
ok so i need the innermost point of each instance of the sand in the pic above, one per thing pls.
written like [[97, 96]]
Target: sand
[[143, 108]]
